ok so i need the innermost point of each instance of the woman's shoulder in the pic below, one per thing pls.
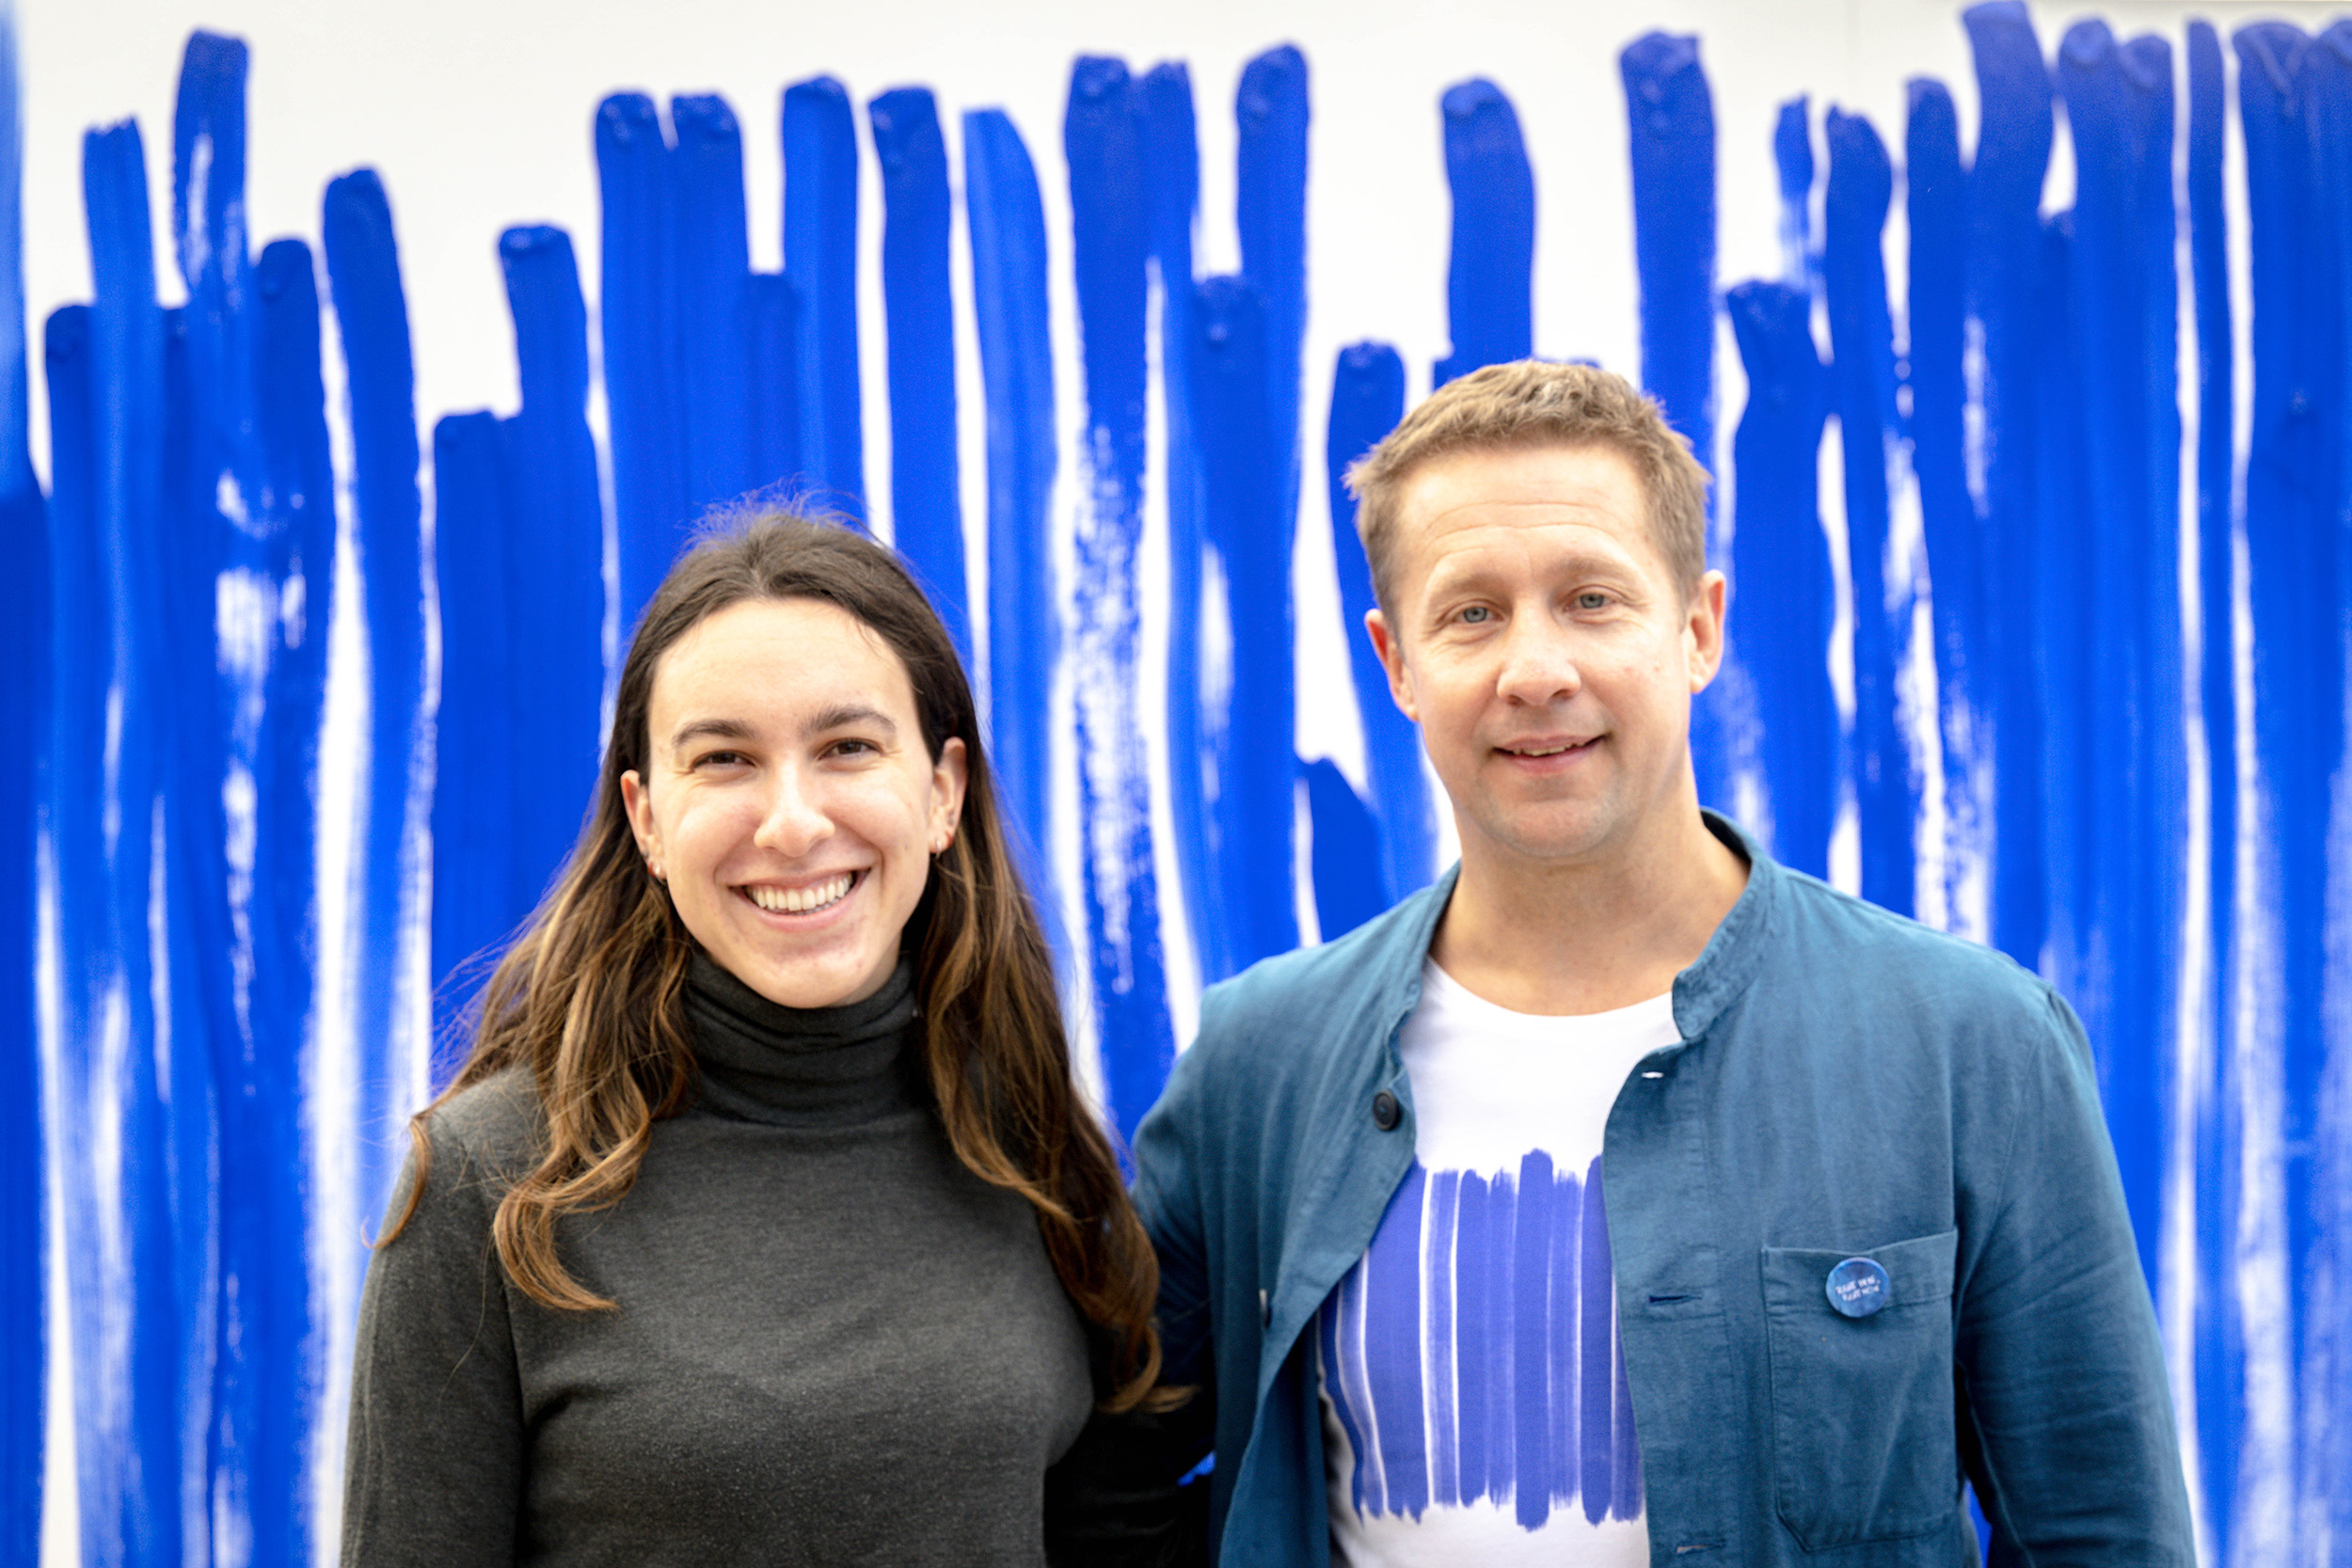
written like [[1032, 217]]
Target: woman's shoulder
[[493, 1128]]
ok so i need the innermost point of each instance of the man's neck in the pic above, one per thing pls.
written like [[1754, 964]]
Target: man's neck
[[1588, 936]]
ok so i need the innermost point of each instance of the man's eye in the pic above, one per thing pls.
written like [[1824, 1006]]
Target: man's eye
[[1477, 614], [1592, 598]]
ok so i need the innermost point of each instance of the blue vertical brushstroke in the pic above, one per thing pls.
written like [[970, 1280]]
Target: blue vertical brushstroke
[[1103, 142], [1171, 162], [1393, 1317], [1566, 1350], [1792, 159], [2003, 269], [712, 268], [131, 1412], [1349, 887], [1006, 219], [24, 652], [1670, 116], [74, 802], [637, 317], [1936, 304], [371, 317], [926, 505], [1671, 113], [1531, 1370], [1780, 559], [554, 542], [1482, 1368], [1344, 1298], [1445, 1426], [820, 258], [1861, 350], [200, 1021], [2119, 103], [2293, 552], [1489, 290], [1367, 399], [771, 313], [2219, 1345], [1597, 1319], [1252, 809], [229, 512], [2319, 1063], [1270, 113], [474, 850]]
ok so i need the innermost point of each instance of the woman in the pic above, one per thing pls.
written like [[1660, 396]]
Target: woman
[[763, 1224]]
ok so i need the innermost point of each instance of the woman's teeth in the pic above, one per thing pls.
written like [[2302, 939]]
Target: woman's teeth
[[800, 901]]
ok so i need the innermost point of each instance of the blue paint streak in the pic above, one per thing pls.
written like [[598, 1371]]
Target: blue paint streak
[[2292, 559], [1862, 346], [1935, 197], [474, 886], [926, 509], [1006, 219], [1349, 889], [820, 258], [772, 396], [637, 314], [137, 1401], [2219, 1344], [1793, 157], [1102, 140], [26, 653], [554, 542], [1342, 1301], [1367, 399], [1532, 1253], [1780, 559], [1163, 102], [1596, 1317], [1490, 273], [713, 269], [2118, 104], [2004, 259], [1392, 1320], [1253, 811], [372, 313], [1270, 113], [74, 800], [1566, 1351], [1671, 114], [1482, 1373]]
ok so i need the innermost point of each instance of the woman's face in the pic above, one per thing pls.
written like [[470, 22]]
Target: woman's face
[[788, 798]]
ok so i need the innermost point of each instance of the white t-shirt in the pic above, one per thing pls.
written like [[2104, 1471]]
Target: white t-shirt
[[1474, 1403]]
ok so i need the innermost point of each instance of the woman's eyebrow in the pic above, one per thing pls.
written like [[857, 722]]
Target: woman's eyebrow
[[709, 729], [844, 716]]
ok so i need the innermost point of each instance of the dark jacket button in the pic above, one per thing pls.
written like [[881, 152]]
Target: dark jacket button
[[1386, 1112]]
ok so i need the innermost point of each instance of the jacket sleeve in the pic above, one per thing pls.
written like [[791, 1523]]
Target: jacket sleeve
[[434, 1474], [2066, 1417]]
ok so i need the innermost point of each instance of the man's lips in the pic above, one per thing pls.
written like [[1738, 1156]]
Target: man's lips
[[1544, 748]]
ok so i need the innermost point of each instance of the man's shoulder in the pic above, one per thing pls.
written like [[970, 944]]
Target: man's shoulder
[[1326, 985], [1831, 938]]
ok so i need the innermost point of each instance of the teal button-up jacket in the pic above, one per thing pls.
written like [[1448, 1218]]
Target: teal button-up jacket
[[1848, 1083]]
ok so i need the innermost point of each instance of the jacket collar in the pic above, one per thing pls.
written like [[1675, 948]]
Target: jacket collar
[[1701, 992]]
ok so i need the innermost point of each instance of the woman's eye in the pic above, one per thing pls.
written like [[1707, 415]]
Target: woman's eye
[[720, 759], [850, 748]]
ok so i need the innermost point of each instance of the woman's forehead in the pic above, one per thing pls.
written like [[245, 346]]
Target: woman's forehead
[[779, 656]]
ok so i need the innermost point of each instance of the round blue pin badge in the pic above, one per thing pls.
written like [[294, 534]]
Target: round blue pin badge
[[1857, 1288]]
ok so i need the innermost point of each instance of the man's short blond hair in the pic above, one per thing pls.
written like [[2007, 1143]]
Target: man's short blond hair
[[1532, 403]]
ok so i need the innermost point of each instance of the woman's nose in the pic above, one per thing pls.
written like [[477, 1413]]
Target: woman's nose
[[794, 821]]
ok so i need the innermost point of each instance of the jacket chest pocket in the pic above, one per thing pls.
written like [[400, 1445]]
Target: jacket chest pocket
[[1863, 1445]]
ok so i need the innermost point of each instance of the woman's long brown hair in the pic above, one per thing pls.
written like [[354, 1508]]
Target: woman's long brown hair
[[589, 999]]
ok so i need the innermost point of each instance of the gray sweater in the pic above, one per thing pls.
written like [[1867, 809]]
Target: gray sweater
[[833, 1344]]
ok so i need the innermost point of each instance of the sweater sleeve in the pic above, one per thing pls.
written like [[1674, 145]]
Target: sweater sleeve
[[434, 1472]]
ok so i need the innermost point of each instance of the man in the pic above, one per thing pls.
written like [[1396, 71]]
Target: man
[[1625, 1197]]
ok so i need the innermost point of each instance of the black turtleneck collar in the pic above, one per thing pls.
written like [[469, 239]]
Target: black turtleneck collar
[[804, 1066]]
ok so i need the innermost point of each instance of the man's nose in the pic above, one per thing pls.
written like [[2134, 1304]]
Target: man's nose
[[1539, 662], [795, 820]]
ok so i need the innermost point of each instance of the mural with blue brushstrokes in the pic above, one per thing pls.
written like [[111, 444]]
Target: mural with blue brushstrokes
[[2050, 653]]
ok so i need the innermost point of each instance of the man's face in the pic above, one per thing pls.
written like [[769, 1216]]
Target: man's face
[[1546, 650]]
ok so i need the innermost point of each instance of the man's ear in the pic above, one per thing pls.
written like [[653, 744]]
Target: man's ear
[[1702, 630], [1385, 643]]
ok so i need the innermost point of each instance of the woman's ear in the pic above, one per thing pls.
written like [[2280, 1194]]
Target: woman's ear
[[637, 802], [948, 776]]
